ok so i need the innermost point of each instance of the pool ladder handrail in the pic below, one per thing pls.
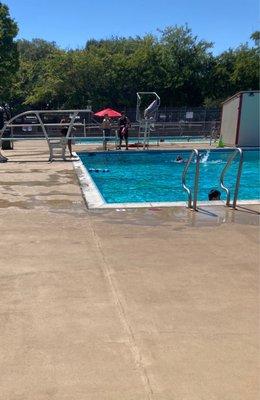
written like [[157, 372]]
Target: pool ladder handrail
[[196, 180], [239, 151]]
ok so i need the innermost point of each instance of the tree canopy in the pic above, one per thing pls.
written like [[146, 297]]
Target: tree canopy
[[108, 72], [9, 60]]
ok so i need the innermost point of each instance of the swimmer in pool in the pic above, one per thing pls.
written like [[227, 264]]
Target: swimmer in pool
[[214, 194], [179, 159], [98, 170]]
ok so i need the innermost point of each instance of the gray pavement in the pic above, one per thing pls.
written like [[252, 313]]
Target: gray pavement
[[140, 304]]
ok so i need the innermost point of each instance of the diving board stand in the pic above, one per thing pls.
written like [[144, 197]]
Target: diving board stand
[[146, 115], [57, 145]]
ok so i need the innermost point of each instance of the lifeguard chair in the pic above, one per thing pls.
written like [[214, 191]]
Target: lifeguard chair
[[146, 116]]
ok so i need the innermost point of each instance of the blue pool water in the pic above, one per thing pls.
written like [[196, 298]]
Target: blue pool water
[[154, 176], [153, 139]]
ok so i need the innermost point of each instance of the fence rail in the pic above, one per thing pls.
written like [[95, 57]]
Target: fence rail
[[170, 122], [178, 114]]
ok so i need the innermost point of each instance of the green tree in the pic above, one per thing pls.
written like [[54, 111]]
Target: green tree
[[108, 72], [32, 55], [186, 61], [36, 49], [177, 65], [234, 70], [129, 65], [256, 38], [9, 59]]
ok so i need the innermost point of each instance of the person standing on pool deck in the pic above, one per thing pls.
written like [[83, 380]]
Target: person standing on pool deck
[[106, 126], [124, 124]]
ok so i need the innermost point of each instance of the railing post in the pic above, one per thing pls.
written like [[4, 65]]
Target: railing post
[[196, 180], [84, 127], [238, 177], [227, 190]]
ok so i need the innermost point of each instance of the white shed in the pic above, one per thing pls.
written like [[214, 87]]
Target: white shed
[[240, 119]]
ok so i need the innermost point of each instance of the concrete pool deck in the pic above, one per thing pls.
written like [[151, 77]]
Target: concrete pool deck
[[136, 304]]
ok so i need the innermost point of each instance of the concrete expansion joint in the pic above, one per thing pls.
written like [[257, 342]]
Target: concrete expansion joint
[[118, 302]]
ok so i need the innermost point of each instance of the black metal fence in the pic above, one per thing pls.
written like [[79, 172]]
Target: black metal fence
[[178, 121], [183, 114]]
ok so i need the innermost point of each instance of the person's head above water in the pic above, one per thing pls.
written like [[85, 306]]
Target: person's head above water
[[179, 158], [214, 194]]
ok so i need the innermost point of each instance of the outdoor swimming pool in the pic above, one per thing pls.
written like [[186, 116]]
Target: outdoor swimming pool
[[154, 176]]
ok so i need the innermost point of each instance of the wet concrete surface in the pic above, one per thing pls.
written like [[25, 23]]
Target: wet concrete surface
[[156, 303]]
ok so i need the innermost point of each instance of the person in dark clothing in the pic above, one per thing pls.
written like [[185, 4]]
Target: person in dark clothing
[[179, 159], [214, 194], [124, 124]]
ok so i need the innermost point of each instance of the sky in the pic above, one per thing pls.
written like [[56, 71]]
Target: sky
[[226, 23]]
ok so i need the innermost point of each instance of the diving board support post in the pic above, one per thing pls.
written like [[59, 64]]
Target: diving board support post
[[59, 144], [192, 203], [51, 143], [237, 151]]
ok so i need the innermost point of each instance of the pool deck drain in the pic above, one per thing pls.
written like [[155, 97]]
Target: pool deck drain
[[132, 304]]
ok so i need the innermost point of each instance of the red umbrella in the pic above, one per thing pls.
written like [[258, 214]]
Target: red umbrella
[[108, 111]]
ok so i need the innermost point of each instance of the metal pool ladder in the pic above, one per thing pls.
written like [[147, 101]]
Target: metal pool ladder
[[195, 153], [239, 171]]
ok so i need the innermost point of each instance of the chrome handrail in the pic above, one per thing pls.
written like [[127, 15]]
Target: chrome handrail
[[239, 171], [196, 180]]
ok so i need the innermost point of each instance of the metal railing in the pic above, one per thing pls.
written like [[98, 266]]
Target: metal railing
[[38, 116], [195, 153], [160, 132], [239, 171], [176, 114]]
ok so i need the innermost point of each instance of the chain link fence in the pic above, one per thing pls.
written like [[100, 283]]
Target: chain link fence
[[182, 114], [189, 122]]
